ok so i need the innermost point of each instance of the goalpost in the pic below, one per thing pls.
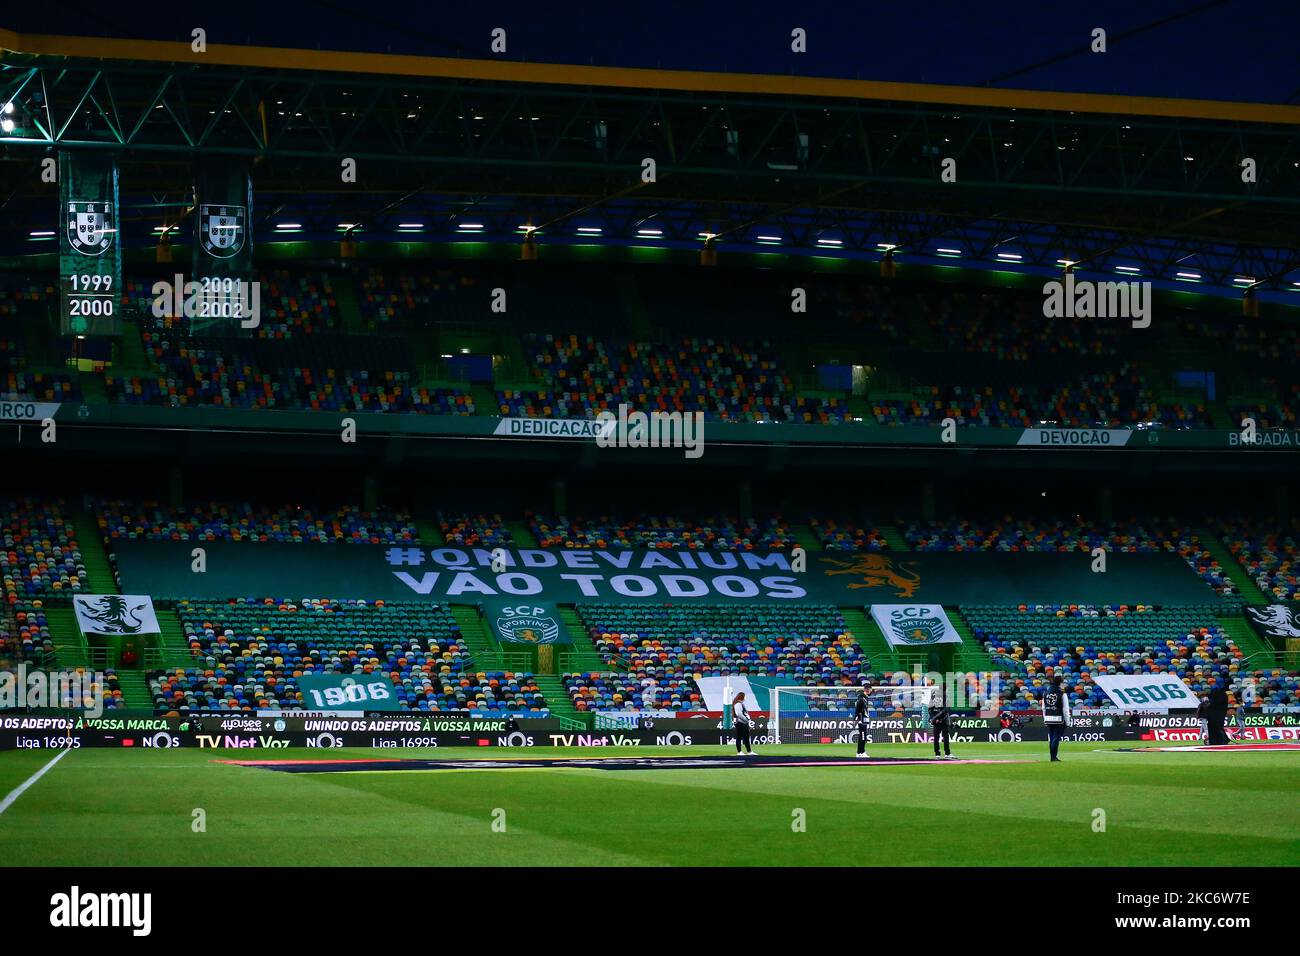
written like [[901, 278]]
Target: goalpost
[[807, 715]]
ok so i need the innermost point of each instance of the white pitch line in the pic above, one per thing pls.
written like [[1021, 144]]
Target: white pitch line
[[18, 791]]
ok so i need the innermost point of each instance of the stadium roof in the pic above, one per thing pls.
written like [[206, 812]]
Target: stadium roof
[[802, 164]]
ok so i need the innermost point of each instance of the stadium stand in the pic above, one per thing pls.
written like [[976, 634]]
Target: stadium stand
[[1146, 536], [847, 534], [249, 654], [716, 532], [395, 299], [1035, 643], [1269, 555], [216, 521], [38, 549], [475, 530], [579, 377], [806, 643]]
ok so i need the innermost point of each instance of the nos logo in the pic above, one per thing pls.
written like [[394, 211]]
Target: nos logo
[[674, 738]]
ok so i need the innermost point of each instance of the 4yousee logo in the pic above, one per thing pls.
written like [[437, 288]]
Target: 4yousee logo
[[76, 909]]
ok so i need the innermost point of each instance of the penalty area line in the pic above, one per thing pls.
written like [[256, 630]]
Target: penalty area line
[[19, 790]]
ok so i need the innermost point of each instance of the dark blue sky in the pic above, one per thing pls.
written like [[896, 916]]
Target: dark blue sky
[[1236, 49]]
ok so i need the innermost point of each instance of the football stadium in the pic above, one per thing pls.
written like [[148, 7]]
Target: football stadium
[[625, 458]]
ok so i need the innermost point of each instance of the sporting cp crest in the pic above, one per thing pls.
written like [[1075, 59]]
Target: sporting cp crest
[[222, 229], [917, 627], [90, 227], [528, 629]]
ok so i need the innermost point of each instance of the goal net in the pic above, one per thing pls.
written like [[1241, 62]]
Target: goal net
[[815, 715]]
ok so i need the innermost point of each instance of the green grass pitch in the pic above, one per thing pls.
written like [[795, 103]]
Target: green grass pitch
[[126, 807]]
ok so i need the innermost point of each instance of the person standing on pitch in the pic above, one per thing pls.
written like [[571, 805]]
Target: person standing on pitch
[[740, 718], [939, 715], [1216, 712], [861, 714], [1056, 715]]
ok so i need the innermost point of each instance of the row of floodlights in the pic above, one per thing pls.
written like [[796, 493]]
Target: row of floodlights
[[943, 252]]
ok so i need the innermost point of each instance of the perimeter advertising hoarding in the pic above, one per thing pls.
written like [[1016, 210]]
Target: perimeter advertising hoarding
[[412, 731]]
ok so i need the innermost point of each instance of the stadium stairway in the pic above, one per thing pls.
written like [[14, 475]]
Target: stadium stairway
[[345, 296], [485, 653], [426, 527], [972, 656], [135, 691], [519, 533], [1245, 637], [92, 386], [869, 637], [559, 704], [484, 398], [39, 339], [69, 644], [894, 538], [94, 555], [807, 539], [1240, 577], [131, 357], [583, 655], [173, 649]]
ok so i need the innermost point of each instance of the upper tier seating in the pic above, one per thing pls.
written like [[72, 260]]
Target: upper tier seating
[[579, 377], [211, 521], [1150, 535], [292, 304], [1269, 553], [713, 533], [39, 553], [474, 530], [847, 534]]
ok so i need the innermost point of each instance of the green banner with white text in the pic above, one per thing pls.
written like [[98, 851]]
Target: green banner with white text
[[532, 577]]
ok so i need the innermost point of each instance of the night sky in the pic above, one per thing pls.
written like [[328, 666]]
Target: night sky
[[1232, 50]]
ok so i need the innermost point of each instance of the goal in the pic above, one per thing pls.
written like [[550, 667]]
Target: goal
[[812, 715]]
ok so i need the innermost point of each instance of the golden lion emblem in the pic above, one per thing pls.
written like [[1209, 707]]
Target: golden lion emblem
[[878, 571]]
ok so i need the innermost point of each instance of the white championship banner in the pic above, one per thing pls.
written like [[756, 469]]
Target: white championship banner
[[914, 625], [115, 614], [1158, 693]]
